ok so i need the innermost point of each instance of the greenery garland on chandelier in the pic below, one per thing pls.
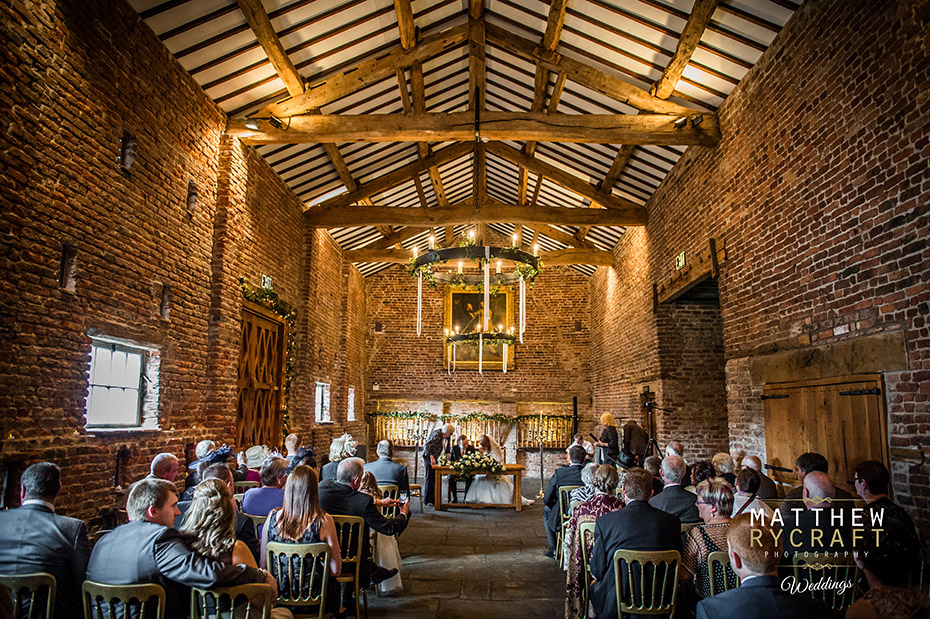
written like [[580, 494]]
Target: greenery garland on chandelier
[[269, 299], [427, 265]]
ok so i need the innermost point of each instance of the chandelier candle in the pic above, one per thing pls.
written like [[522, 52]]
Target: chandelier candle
[[487, 288]]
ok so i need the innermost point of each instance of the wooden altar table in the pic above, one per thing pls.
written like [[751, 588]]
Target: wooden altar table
[[515, 470]]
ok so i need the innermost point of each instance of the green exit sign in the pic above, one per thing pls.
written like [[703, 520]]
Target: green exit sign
[[680, 261]]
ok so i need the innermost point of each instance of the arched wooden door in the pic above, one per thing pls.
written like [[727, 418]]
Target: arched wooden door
[[261, 377]]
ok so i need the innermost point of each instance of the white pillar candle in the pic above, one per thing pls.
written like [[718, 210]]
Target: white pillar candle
[[419, 303], [480, 351], [505, 357], [487, 287], [522, 309]]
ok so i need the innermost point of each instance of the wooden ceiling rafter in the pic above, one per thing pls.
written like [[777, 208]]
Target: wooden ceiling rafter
[[688, 41], [559, 257], [490, 212]]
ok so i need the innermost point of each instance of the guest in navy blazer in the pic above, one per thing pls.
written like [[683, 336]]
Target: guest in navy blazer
[[674, 499], [638, 526], [386, 471], [563, 476], [760, 594], [33, 538]]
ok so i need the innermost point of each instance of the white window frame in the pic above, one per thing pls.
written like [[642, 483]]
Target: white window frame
[[350, 405], [321, 412], [141, 414]]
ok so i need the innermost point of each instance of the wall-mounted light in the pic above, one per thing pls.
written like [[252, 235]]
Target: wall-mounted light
[[681, 123], [274, 121], [697, 119]]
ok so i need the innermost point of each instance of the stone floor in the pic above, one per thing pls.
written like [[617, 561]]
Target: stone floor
[[476, 563]]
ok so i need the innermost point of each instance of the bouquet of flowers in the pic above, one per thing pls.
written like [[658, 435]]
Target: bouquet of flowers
[[443, 459], [477, 464]]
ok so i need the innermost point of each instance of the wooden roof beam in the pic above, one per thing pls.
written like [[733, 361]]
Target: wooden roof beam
[[343, 216], [561, 257], [697, 22], [583, 74], [563, 178], [395, 178], [258, 20], [616, 168], [333, 87], [661, 129]]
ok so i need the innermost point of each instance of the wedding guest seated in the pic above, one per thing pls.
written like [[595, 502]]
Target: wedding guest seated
[[674, 499], [385, 546], [638, 526], [804, 464], [260, 501], [715, 504], [211, 457], [33, 538], [459, 450], [244, 526], [305, 456], [675, 448], [587, 490], [563, 476], [254, 458], [652, 464], [386, 471], [754, 559], [340, 496], [149, 549], [604, 482], [871, 481], [767, 489], [581, 442], [888, 562], [301, 520], [700, 470], [814, 529], [291, 444], [164, 466], [209, 530], [746, 497], [341, 448], [203, 448], [725, 467]]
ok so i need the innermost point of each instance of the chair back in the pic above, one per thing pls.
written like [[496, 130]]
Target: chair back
[[349, 531], [218, 603], [302, 572], [258, 521], [838, 570], [646, 582], [38, 588], [111, 601], [390, 491], [239, 487], [718, 562], [564, 502], [585, 532]]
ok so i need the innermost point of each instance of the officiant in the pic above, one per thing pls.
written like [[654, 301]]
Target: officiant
[[436, 444], [461, 448]]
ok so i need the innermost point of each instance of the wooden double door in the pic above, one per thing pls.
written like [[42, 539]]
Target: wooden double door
[[261, 377], [842, 418]]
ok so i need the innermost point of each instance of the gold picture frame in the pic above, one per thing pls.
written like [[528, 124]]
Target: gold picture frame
[[462, 307]]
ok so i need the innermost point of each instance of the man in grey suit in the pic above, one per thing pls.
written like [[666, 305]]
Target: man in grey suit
[[563, 476], [149, 549], [386, 471], [33, 538], [760, 594], [674, 499]]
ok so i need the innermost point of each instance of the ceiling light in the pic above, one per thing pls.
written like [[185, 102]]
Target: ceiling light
[[681, 123], [251, 123], [697, 119]]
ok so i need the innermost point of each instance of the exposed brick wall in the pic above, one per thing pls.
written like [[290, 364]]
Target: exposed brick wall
[[74, 79], [820, 190]]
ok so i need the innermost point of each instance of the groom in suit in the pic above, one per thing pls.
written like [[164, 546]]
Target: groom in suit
[[460, 449], [638, 526], [33, 538]]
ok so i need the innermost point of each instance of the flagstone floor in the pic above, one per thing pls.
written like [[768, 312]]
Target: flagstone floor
[[476, 563]]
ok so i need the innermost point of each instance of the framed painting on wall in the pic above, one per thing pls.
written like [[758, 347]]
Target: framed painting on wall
[[464, 311]]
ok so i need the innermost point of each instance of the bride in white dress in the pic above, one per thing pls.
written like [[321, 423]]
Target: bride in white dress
[[487, 488]]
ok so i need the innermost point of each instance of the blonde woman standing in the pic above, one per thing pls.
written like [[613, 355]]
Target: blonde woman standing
[[609, 441]]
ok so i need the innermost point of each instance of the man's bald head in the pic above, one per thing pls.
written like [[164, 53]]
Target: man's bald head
[[752, 462], [818, 486]]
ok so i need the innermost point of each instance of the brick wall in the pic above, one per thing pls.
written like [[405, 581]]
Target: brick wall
[[74, 80], [820, 190]]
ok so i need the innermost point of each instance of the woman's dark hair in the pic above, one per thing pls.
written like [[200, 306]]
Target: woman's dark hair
[[748, 480], [702, 470], [301, 504], [875, 476]]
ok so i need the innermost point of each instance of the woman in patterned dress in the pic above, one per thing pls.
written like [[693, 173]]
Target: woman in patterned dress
[[715, 504]]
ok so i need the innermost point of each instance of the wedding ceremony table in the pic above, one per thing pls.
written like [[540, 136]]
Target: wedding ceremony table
[[515, 470]]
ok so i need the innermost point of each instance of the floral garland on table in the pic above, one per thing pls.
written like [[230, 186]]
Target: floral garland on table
[[269, 299], [477, 464], [461, 418]]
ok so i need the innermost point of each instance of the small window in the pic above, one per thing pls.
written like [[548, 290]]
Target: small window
[[350, 414], [321, 405], [116, 395]]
